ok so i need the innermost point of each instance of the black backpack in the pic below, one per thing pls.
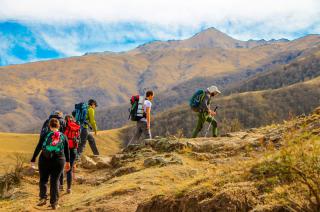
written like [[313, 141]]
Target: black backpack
[[45, 127], [136, 110]]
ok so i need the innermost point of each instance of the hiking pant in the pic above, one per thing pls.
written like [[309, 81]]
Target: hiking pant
[[141, 130], [84, 136], [73, 156], [50, 167], [202, 118]]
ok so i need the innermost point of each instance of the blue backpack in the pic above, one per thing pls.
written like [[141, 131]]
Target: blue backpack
[[196, 100], [80, 113]]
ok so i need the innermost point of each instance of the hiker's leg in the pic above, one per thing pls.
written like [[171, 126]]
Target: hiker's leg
[[145, 130], [83, 140], [201, 120], [69, 173], [214, 124], [57, 169], [137, 134], [92, 143], [61, 181], [44, 171]]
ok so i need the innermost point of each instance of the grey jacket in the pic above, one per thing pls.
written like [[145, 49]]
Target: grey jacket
[[205, 104]]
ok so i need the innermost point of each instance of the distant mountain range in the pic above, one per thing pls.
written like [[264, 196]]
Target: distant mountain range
[[174, 69]]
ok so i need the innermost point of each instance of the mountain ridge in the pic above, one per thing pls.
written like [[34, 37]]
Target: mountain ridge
[[59, 84]]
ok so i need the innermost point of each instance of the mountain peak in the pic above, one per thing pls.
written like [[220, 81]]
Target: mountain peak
[[211, 38]]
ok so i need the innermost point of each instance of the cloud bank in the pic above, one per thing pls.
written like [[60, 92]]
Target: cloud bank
[[74, 27]]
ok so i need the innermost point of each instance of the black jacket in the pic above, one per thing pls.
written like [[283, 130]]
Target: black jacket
[[45, 127], [64, 153]]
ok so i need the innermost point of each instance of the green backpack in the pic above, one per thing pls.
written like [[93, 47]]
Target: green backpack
[[51, 145]]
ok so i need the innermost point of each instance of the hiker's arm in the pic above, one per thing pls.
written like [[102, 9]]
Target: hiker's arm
[[66, 149], [206, 104], [92, 120], [37, 150], [66, 153], [148, 116]]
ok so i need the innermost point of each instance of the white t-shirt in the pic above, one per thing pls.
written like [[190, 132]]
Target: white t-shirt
[[147, 104]]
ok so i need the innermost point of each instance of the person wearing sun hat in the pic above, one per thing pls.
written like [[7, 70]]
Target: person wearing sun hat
[[205, 113]]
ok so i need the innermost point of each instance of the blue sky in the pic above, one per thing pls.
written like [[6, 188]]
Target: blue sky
[[35, 30]]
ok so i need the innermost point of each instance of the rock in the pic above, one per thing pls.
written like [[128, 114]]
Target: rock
[[201, 156], [102, 162], [153, 162], [88, 163], [161, 161], [165, 145], [80, 179], [29, 171], [316, 111], [124, 170]]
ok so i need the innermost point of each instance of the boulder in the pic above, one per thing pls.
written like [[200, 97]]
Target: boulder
[[162, 161], [102, 162], [88, 163]]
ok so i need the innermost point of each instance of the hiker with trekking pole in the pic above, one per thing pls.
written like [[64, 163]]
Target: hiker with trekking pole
[[200, 103]]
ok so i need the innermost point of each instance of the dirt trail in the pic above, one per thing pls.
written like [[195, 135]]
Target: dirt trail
[[171, 174]]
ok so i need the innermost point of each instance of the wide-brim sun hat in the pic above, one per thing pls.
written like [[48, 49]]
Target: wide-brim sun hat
[[214, 89]]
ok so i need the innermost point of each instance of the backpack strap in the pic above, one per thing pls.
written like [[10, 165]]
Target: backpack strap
[[202, 96]]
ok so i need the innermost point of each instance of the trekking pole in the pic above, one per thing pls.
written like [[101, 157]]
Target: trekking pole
[[208, 130], [215, 109]]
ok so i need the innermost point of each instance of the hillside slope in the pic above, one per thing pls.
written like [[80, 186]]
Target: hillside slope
[[253, 170], [31, 91], [15, 146], [285, 70], [244, 110]]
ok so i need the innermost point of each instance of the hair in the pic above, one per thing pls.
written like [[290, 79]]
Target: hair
[[149, 93], [68, 117], [92, 102], [54, 123]]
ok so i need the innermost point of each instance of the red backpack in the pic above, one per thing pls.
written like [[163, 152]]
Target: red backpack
[[72, 132]]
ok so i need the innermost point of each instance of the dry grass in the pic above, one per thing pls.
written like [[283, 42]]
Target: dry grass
[[108, 143]]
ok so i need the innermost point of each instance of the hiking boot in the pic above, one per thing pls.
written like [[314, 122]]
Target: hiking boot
[[42, 202], [69, 191], [55, 206], [61, 188]]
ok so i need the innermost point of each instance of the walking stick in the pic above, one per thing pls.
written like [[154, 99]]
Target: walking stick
[[215, 109]]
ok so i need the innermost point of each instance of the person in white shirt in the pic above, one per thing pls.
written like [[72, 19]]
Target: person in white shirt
[[143, 125]]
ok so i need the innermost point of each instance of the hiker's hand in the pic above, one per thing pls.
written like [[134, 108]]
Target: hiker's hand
[[67, 166], [33, 165], [213, 113]]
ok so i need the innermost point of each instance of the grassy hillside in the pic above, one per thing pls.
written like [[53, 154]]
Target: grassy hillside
[[22, 145], [274, 168], [287, 69], [302, 69], [31, 91]]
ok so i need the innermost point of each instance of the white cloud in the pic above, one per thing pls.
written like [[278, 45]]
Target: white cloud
[[164, 12], [73, 27]]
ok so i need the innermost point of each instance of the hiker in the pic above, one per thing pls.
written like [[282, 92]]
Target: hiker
[[143, 123], [200, 103], [72, 132], [45, 129], [53, 158], [85, 134], [54, 114]]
